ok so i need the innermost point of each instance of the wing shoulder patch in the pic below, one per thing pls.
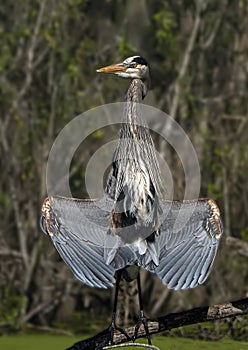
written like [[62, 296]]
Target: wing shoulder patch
[[47, 223], [213, 224]]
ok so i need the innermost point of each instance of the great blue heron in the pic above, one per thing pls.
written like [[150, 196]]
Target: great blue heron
[[131, 225]]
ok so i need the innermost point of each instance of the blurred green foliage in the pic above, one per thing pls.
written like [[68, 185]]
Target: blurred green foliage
[[11, 306]]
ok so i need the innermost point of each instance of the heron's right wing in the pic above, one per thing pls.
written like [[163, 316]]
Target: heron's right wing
[[79, 231], [188, 242]]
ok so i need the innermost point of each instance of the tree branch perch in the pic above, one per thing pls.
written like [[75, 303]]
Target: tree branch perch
[[168, 322]]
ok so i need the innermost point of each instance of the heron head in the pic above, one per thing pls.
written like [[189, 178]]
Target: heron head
[[132, 67]]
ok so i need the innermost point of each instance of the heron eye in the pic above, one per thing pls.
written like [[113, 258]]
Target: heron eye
[[133, 65]]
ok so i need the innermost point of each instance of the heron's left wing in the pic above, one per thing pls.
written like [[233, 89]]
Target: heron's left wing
[[188, 242], [79, 231]]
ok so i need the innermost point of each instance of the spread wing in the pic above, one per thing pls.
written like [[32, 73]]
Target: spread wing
[[188, 242], [186, 246], [78, 229]]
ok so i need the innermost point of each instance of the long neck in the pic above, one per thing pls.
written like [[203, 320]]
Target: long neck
[[137, 90], [135, 153], [132, 117]]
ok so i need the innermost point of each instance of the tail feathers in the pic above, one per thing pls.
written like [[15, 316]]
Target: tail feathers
[[126, 256], [150, 259]]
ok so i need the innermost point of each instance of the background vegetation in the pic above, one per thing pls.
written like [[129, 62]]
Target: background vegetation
[[198, 52]]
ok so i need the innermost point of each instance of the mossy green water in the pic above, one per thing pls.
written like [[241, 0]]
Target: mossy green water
[[47, 342]]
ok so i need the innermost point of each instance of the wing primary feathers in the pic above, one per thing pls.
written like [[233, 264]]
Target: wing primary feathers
[[187, 255], [62, 250], [177, 279], [85, 259], [186, 277], [198, 270], [78, 266], [207, 265], [171, 266], [174, 255], [86, 264]]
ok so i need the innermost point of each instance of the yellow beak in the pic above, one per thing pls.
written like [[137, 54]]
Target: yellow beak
[[119, 67]]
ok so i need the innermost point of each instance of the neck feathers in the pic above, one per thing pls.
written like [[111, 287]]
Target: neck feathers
[[137, 90]]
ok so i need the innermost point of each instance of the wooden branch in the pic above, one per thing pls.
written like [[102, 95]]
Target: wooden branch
[[170, 321]]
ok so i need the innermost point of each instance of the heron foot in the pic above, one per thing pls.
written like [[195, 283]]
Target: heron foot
[[142, 321], [113, 327]]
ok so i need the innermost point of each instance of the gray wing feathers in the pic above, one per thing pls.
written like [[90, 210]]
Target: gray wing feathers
[[181, 256], [86, 264], [78, 240], [88, 220], [187, 255]]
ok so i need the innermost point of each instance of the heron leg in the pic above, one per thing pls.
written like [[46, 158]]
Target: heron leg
[[142, 319], [113, 326]]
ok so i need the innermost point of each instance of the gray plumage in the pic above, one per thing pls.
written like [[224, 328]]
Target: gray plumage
[[131, 224], [79, 230]]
